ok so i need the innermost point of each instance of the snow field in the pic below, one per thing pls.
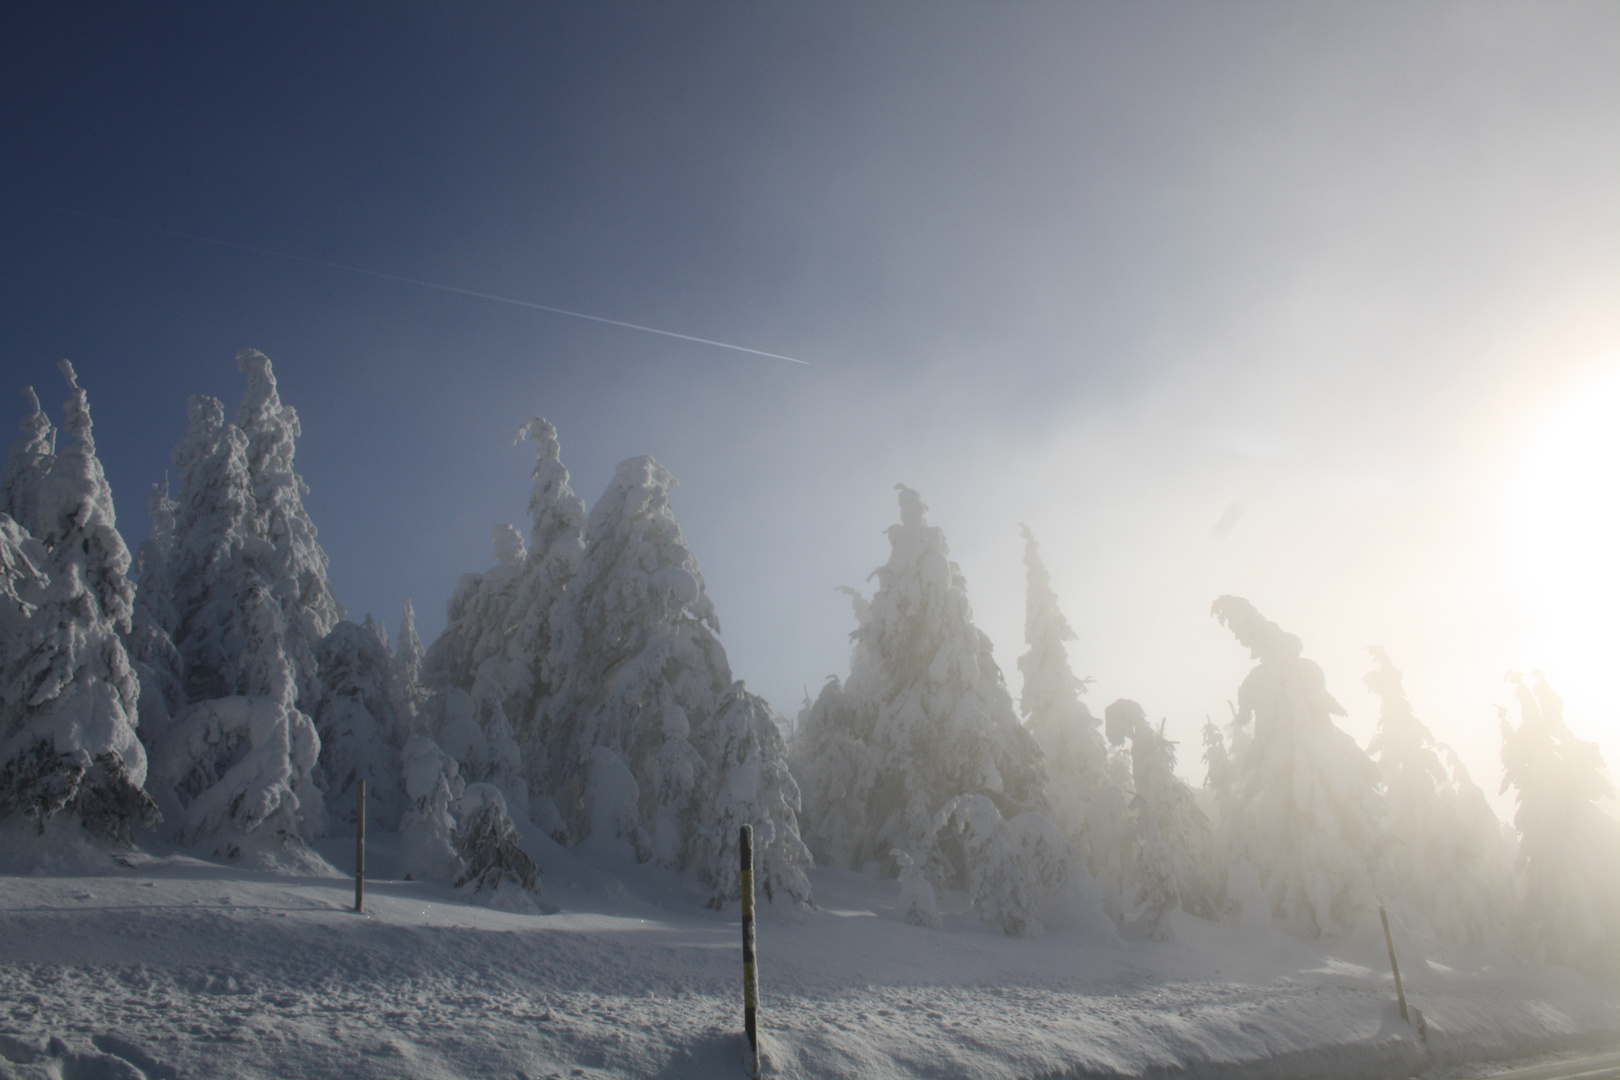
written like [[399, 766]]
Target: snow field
[[174, 967]]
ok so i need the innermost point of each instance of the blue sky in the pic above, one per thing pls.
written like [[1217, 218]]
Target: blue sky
[[1111, 269]]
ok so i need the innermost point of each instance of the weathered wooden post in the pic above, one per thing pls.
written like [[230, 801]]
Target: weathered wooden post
[[745, 845], [360, 849], [1400, 994]]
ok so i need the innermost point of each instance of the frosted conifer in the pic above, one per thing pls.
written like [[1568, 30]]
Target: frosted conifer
[[235, 581], [746, 747], [924, 718], [427, 833], [1086, 801], [362, 719], [917, 903], [408, 657], [1173, 846], [298, 565], [476, 622], [1446, 862], [1010, 868], [640, 732], [475, 671], [1569, 849], [830, 759], [495, 868], [1306, 811], [556, 544], [68, 704]]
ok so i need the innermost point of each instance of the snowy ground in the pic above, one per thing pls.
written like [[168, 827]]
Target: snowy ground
[[172, 967]]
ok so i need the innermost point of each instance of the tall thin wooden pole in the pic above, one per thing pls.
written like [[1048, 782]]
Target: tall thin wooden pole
[[360, 849], [745, 845], [1400, 994]]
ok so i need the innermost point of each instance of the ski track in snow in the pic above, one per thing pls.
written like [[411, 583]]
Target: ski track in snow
[[176, 968]]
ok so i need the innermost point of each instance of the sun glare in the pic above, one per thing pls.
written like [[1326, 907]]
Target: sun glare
[[1564, 515]]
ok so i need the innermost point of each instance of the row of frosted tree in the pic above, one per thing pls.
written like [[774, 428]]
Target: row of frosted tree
[[211, 690]]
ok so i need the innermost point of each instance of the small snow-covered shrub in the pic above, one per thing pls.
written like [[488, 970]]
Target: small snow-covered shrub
[[1012, 867], [487, 842], [1173, 862], [917, 903], [427, 833]]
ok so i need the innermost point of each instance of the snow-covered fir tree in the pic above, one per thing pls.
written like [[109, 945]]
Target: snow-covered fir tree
[[298, 564], [427, 833], [363, 718], [917, 903], [747, 747], [1449, 864], [1009, 868], [1218, 771], [473, 728], [1087, 802], [477, 623], [499, 643], [556, 544], [495, 869], [1569, 849], [68, 697], [232, 602], [408, 658], [1172, 846], [1305, 806], [924, 717], [646, 726]]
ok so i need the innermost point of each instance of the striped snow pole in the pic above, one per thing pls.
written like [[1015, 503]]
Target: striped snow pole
[[1389, 940], [360, 848], [745, 845]]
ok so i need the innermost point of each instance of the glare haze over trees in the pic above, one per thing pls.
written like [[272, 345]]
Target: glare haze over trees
[[580, 695]]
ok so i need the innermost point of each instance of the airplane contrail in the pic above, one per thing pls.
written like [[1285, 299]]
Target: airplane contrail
[[427, 284]]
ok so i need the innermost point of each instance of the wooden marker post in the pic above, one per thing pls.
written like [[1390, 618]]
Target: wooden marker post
[[1400, 994], [360, 849], [745, 845]]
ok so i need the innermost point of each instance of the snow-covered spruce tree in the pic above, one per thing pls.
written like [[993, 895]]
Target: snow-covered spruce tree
[[495, 869], [408, 659], [917, 903], [459, 834], [298, 565], [1305, 805], [647, 725], [830, 761], [1569, 849], [68, 694], [477, 619], [1010, 868], [491, 672], [235, 582], [1451, 866], [362, 719], [1087, 803], [556, 544], [747, 747], [924, 717], [427, 832], [1218, 769], [1173, 862]]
